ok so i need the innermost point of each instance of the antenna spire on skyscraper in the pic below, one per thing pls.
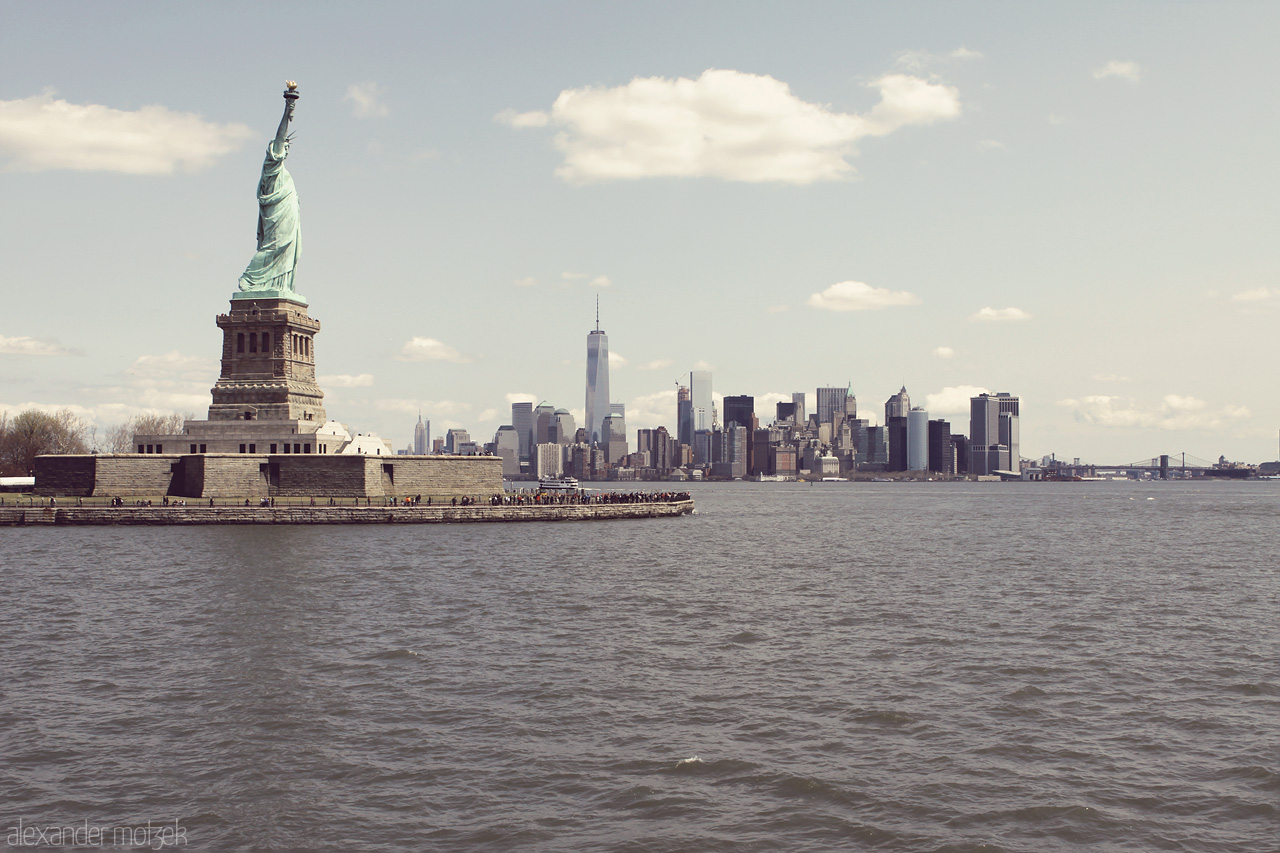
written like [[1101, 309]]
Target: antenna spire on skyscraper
[[597, 312]]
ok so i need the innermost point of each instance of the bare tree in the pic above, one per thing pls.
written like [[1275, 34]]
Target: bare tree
[[34, 433], [119, 438]]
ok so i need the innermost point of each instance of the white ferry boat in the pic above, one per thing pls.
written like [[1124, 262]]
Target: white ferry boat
[[559, 485]]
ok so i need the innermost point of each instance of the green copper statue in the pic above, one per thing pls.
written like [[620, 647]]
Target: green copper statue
[[270, 273]]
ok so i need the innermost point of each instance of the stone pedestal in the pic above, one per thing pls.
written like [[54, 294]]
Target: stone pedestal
[[268, 364]]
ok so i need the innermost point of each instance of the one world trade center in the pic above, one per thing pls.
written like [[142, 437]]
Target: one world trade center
[[597, 381]]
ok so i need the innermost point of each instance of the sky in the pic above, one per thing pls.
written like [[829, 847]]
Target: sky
[[1071, 202]]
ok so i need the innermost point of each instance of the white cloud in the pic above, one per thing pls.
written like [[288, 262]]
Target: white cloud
[[656, 364], [920, 60], [992, 145], [857, 296], [944, 352], [346, 380], [703, 364], [725, 124], [779, 309], [1055, 119], [171, 382], [599, 281], [429, 349], [1001, 315], [952, 400], [650, 411], [436, 410], [533, 118], [366, 100], [521, 397], [1173, 412], [767, 405], [1256, 295], [616, 360], [39, 133], [1130, 71], [153, 385], [173, 365], [23, 345], [525, 282]]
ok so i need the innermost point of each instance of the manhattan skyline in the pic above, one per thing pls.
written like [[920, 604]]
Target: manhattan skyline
[[1069, 202]]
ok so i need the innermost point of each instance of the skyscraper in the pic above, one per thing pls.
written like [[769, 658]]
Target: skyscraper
[[797, 397], [421, 433], [454, 439], [684, 416], [897, 406], [917, 439], [562, 428], [740, 410], [830, 401], [542, 414], [700, 397], [522, 420], [597, 381], [993, 434], [942, 453], [615, 437], [506, 444], [895, 430]]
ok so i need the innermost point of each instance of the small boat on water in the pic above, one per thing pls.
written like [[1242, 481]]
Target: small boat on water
[[559, 485]]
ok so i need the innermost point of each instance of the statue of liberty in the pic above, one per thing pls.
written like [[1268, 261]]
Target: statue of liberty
[[270, 273]]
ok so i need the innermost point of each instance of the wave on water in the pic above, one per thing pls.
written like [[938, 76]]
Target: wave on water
[[1028, 692], [398, 654]]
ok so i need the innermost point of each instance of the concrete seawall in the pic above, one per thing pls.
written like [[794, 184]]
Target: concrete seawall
[[23, 516]]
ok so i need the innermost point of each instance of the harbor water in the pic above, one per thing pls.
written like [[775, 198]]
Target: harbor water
[[842, 666]]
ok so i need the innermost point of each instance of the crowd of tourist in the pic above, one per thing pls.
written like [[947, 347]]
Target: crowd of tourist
[[532, 498]]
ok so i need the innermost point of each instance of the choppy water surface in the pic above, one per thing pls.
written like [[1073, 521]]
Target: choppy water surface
[[843, 666]]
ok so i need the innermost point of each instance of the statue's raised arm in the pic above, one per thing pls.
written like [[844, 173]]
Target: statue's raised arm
[[282, 132], [271, 271]]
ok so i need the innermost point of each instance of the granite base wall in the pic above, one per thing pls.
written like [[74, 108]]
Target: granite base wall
[[120, 475], [440, 476], [223, 475], [260, 475]]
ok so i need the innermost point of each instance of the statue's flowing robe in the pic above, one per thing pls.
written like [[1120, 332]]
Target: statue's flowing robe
[[279, 228]]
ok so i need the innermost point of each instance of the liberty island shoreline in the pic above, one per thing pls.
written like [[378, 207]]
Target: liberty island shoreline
[[19, 516]]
